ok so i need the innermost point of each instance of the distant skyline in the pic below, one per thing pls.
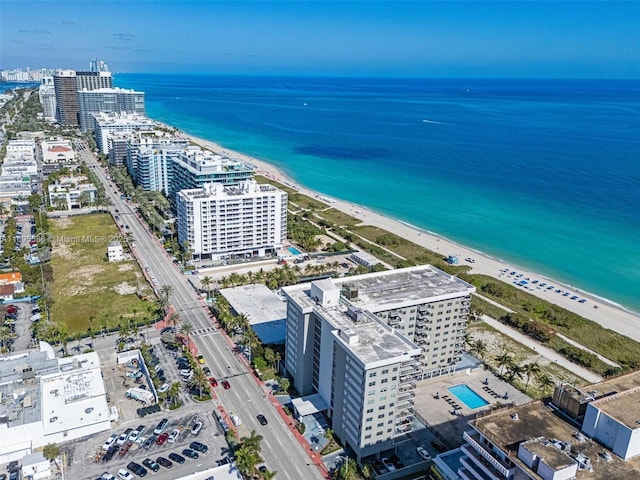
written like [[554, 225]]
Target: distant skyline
[[423, 39]]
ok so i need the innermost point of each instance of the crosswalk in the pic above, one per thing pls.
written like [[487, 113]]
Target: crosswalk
[[204, 331]]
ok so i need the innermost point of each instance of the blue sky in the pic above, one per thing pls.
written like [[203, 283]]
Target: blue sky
[[432, 39]]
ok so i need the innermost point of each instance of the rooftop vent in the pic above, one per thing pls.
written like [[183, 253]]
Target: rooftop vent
[[606, 456], [355, 313]]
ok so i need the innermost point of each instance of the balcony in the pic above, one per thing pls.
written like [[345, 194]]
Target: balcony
[[482, 457]]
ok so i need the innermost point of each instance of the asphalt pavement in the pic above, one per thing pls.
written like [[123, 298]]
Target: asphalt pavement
[[281, 451]]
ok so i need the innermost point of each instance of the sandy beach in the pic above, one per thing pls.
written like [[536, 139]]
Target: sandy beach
[[607, 314]]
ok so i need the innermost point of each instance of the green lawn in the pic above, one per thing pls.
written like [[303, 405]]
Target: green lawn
[[87, 290]]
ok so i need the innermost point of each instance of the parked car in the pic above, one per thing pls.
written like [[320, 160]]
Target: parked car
[[163, 388], [176, 458], [187, 452], [198, 447], [164, 462], [206, 370], [109, 442], [174, 435], [151, 464], [196, 427], [138, 469], [125, 474], [148, 442], [124, 449], [201, 360], [389, 464], [161, 426], [213, 381], [124, 436], [162, 438], [423, 453], [262, 419]]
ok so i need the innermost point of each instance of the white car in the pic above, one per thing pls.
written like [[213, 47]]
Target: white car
[[107, 476], [125, 474], [110, 441], [423, 453], [173, 436], [164, 388], [387, 463], [195, 429]]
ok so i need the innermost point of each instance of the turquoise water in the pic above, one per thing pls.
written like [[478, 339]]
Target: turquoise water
[[543, 174], [294, 250], [467, 396]]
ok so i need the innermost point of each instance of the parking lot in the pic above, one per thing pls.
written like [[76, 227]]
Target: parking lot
[[86, 458]]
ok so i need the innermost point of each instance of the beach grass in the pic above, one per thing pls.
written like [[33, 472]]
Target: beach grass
[[399, 252], [88, 291]]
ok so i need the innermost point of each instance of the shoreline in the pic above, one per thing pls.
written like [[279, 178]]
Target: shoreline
[[603, 311]]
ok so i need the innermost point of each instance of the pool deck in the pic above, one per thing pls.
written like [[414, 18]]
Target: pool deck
[[433, 407]]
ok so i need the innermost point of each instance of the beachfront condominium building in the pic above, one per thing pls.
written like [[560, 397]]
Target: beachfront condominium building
[[110, 100], [423, 303], [150, 157], [362, 369], [67, 83], [47, 95], [224, 221], [66, 90], [194, 168], [107, 124]]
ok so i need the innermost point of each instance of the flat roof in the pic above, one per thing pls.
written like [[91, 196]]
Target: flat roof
[[382, 291], [371, 340], [257, 302], [623, 406], [309, 405], [537, 421]]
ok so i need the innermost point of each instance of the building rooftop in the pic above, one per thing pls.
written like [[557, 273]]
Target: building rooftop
[[256, 301], [381, 291], [535, 421], [365, 335], [623, 406]]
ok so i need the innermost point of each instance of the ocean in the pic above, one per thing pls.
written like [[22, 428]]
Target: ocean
[[544, 174]]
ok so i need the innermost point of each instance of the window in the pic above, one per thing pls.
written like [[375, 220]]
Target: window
[[370, 410]]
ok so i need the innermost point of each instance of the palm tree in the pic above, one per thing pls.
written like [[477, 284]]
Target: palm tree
[[478, 347], [186, 328], [348, 470], [514, 370], [530, 369], [173, 319], [51, 452], [6, 335], [173, 395], [252, 442], [247, 462], [206, 282], [165, 291], [199, 381], [545, 381], [503, 360]]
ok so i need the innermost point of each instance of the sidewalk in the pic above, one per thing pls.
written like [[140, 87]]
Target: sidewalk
[[542, 350]]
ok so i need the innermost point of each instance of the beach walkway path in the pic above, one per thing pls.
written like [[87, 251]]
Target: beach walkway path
[[546, 352]]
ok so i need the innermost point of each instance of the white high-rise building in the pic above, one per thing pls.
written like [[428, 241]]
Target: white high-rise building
[[110, 100], [111, 123], [361, 368], [218, 221], [47, 94]]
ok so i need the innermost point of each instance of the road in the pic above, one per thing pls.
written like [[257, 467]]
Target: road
[[280, 450]]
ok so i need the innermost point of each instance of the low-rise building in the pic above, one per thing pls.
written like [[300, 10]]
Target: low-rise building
[[36, 467], [71, 192], [115, 252], [49, 400], [57, 151]]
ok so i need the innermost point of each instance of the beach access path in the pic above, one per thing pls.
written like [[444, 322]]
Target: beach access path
[[606, 314]]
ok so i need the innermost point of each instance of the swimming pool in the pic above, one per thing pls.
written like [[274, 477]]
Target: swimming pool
[[294, 250], [467, 396]]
